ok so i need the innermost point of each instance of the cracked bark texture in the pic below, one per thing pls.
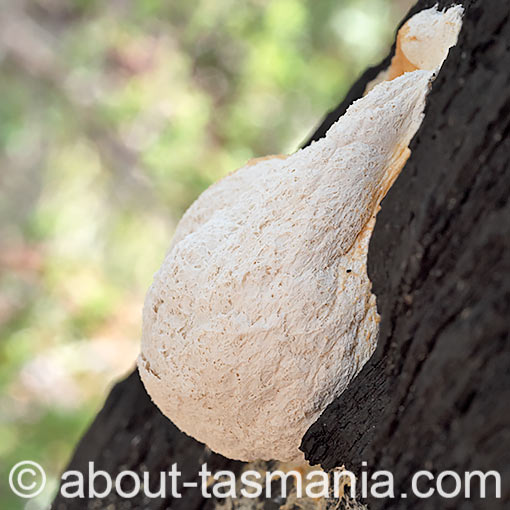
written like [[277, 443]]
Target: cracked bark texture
[[435, 393]]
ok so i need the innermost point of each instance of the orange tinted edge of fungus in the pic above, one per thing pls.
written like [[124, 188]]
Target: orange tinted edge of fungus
[[400, 63]]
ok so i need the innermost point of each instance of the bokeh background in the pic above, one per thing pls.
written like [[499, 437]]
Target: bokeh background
[[115, 115]]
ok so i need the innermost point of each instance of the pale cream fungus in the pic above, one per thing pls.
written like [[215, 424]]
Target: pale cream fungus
[[262, 312]]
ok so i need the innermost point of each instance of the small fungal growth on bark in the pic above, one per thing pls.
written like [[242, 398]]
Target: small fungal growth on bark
[[423, 42], [262, 312]]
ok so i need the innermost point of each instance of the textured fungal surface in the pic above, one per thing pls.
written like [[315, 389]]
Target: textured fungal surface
[[423, 42], [262, 311], [425, 39]]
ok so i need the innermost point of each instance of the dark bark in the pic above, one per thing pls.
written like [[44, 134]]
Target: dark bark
[[130, 433], [435, 393]]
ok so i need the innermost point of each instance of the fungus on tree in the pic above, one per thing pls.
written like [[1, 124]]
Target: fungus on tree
[[262, 312]]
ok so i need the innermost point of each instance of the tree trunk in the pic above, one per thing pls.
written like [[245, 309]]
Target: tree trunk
[[436, 392]]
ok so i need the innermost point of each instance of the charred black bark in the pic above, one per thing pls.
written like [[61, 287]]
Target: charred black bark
[[131, 434], [435, 393]]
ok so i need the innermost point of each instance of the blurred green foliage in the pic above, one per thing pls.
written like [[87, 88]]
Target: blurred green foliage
[[115, 116]]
